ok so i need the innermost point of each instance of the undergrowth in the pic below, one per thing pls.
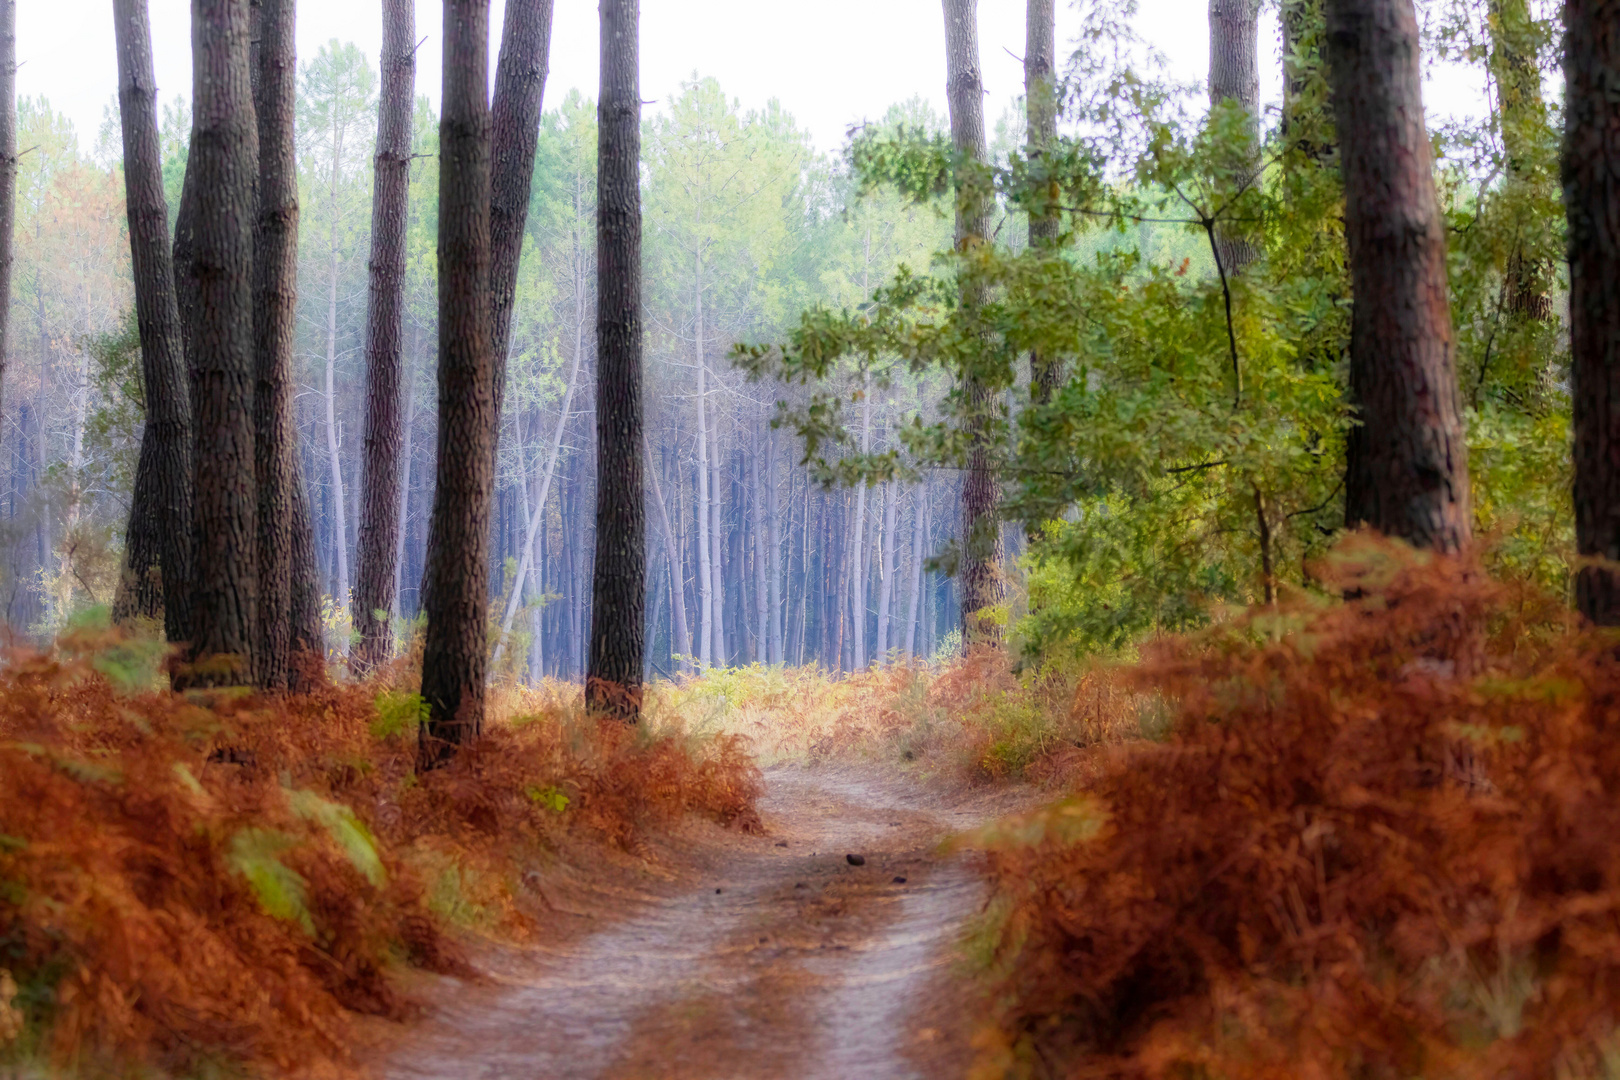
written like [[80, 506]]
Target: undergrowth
[[1379, 842], [214, 878]]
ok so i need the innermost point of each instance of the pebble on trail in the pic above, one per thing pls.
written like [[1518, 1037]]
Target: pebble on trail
[[856, 860]]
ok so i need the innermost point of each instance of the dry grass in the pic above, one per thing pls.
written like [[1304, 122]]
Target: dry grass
[[1379, 844], [219, 878]]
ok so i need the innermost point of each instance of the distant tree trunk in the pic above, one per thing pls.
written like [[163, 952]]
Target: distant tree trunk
[[403, 497], [681, 634], [224, 161], [1234, 75], [619, 589], [981, 553], [891, 523], [1041, 107], [520, 84], [1406, 470], [275, 328], [919, 522], [1519, 105], [334, 459], [762, 600], [453, 656], [717, 575], [377, 541], [159, 533], [858, 554], [8, 173], [773, 511], [1591, 173]]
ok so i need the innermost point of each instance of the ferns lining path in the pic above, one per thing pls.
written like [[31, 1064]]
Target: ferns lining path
[[768, 956]]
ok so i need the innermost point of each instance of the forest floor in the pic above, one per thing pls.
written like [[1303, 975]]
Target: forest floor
[[725, 955]]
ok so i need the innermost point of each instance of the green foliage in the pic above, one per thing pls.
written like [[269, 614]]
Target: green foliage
[[346, 830], [399, 712], [547, 796], [255, 854]]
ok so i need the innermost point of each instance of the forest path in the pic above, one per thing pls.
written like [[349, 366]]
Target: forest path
[[771, 956]]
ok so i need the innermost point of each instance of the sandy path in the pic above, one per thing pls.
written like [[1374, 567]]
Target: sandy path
[[773, 958]]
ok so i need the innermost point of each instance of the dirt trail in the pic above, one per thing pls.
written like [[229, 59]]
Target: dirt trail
[[770, 956]]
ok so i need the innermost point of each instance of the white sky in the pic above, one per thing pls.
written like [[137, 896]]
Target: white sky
[[831, 63]]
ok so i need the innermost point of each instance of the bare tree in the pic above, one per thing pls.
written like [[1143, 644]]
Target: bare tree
[[981, 554], [224, 157], [618, 586], [457, 601], [8, 172], [1592, 201], [1406, 472], [159, 534], [377, 539]]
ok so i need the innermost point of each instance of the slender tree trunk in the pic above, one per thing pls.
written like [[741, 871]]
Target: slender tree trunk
[[1234, 76], [762, 600], [8, 173], [453, 656], [1041, 107], [773, 511], [520, 85], [159, 533], [919, 522], [224, 157], [981, 555], [886, 591], [377, 542], [340, 522], [1591, 174], [1406, 471], [857, 559], [404, 496], [682, 639], [717, 576], [275, 327], [619, 590]]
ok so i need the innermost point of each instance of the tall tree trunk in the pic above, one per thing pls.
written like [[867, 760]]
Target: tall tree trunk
[[717, 575], [919, 521], [453, 656], [1406, 470], [377, 542], [8, 173], [613, 682], [981, 554], [404, 495], [886, 590], [520, 85], [1234, 76], [1041, 107], [159, 533], [773, 511], [682, 636], [224, 160], [858, 554], [762, 600], [275, 329], [1592, 200], [334, 459], [1519, 105]]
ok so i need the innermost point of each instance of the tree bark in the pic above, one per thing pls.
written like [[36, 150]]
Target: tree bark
[[275, 325], [773, 512], [1234, 76], [891, 523], [1041, 108], [914, 608], [1406, 471], [1591, 173], [159, 535], [453, 657], [520, 84], [1518, 100], [224, 162], [8, 174], [981, 553], [377, 541], [618, 590], [681, 635]]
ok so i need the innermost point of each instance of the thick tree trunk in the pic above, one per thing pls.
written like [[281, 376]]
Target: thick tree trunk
[[275, 325], [1592, 200], [1234, 76], [224, 164], [377, 541], [157, 566], [520, 84], [981, 554], [1406, 471], [8, 174], [453, 657], [1041, 108], [619, 585]]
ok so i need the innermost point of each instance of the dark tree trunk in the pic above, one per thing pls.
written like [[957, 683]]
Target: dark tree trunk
[[453, 656], [981, 553], [1519, 105], [157, 544], [8, 173], [1406, 472], [275, 326], [1234, 76], [520, 84], [223, 160], [1592, 201], [1041, 105], [618, 586], [377, 541]]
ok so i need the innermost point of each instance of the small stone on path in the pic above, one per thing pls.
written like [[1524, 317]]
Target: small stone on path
[[856, 860]]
